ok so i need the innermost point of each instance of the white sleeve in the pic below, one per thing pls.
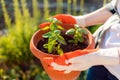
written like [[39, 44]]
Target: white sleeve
[[113, 2]]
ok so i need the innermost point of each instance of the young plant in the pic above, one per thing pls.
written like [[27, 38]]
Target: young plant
[[77, 33], [54, 37]]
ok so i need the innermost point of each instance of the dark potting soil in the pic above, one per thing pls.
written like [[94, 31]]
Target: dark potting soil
[[66, 48]]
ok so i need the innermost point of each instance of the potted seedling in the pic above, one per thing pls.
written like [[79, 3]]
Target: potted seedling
[[54, 38], [63, 41]]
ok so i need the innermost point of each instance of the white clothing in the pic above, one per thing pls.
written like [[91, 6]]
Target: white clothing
[[117, 4], [112, 39]]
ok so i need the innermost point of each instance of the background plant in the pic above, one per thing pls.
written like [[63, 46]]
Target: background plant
[[15, 55]]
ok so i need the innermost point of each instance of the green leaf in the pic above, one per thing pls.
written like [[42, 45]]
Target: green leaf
[[51, 39], [70, 32], [59, 50], [47, 35], [61, 40], [49, 19], [51, 45], [80, 38], [80, 30], [50, 48], [38, 77], [53, 26], [60, 27], [57, 32], [84, 31], [45, 46], [46, 28], [71, 41], [76, 26], [53, 20]]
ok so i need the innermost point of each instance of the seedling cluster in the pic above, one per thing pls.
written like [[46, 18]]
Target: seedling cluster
[[55, 39]]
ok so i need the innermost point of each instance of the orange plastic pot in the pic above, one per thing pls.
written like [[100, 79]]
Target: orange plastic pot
[[54, 74]]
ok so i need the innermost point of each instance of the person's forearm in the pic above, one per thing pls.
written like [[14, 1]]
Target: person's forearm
[[97, 17]]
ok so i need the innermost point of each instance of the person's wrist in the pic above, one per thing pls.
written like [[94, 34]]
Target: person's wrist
[[80, 20]]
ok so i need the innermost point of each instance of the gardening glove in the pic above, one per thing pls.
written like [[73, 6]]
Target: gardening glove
[[108, 56], [66, 19], [62, 58]]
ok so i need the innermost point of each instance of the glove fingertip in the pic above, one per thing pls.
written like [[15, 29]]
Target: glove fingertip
[[67, 62]]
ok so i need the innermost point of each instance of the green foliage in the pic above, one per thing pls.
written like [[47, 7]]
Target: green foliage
[[74, 5], [59, 6], [15, 43], [7, 18], [36, 11], [35, 72], [77, 33], [54, 37], [82, 6], [46, 8], [93, 28], [69, 6]]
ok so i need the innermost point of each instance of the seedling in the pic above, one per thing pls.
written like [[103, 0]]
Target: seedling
[[77, 34], [54, 37]]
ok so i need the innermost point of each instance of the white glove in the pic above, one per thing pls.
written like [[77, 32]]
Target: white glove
[[108, 56], [80, 20]]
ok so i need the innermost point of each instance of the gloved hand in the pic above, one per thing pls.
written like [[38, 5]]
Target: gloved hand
[[62, 58], [67, 19], [108, 56]]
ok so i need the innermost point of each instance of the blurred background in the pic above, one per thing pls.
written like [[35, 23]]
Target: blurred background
[[19, 19]]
